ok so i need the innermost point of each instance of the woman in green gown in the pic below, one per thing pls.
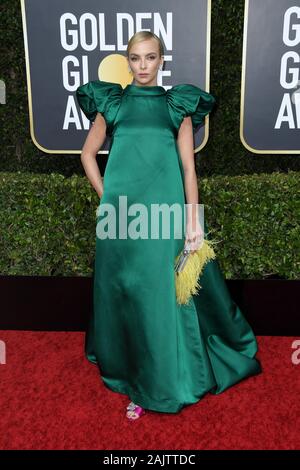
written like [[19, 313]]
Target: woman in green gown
[[163, 355]]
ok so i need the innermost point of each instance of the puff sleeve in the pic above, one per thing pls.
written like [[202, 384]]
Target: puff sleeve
[[99, 96], [189, 100]]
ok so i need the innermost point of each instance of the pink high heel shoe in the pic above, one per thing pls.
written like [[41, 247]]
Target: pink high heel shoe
[[134, 411]]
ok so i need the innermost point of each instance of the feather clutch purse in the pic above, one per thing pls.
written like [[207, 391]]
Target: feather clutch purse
[[188, 267]]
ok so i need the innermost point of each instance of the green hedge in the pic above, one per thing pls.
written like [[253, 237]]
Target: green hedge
[[48, 224]]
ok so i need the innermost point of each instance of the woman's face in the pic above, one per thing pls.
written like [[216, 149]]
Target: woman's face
[[144, 62]]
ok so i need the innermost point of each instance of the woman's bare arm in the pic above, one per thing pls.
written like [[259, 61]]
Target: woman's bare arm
[[185, 142], [93, 142]]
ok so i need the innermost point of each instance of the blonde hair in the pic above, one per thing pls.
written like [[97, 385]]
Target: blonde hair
[[142, 36]]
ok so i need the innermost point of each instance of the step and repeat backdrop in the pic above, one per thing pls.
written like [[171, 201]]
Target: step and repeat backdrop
[[69, 42], [270, 98]]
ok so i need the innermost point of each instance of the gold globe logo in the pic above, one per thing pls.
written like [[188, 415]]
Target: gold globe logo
[[114, 68]]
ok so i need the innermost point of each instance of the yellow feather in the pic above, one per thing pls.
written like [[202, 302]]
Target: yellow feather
[[187, 281]]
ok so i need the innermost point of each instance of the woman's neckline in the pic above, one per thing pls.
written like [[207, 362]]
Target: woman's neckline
[[132, 89]]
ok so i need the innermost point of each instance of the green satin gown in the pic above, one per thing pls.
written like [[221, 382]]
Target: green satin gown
[[163, 355]]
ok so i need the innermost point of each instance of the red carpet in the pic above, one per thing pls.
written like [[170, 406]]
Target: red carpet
[[53, 398]]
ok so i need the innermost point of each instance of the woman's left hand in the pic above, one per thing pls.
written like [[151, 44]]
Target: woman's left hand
[[194, 235]]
